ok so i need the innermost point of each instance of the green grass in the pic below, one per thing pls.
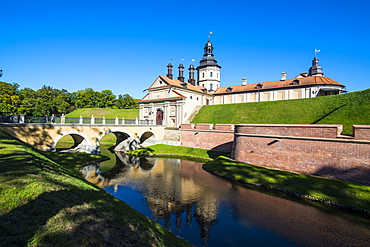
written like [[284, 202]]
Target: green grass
[[347, 109], [43, 203], [105, 112], [338, 191], [163, 149]]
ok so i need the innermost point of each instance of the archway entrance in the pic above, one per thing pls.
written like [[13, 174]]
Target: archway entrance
[[159, 117]]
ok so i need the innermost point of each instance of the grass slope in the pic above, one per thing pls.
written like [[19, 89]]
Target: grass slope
[[347, 109], [105, 112], [168, 150], [304, 186], [45, 204]]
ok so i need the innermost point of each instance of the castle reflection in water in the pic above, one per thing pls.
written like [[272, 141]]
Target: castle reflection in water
[[168, 186]]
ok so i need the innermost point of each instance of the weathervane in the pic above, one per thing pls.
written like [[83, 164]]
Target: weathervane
[[210, 33], [316, 51]]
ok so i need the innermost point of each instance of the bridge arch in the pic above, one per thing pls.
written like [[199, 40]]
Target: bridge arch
[[147, 137], [79, 138], [120, 134]]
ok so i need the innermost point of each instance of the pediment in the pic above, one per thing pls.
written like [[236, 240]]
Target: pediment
[[159, 82]]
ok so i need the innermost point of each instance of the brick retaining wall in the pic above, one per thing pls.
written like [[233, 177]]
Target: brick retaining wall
[[307, 149], [315, 150], [204, 136]]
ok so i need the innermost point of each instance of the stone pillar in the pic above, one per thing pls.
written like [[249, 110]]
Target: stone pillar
[[92, 121], [62, 119], [136, 121], [116, 121], [151, 113], [123, 121], [103, 121], [166, 112], [21, 118], [81, 121], [141, 111]]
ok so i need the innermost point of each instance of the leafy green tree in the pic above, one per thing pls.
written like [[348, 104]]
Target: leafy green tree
[[45, 101], [10, 102], [107, 99], [126, 102]]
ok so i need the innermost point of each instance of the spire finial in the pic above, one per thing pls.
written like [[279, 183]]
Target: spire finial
[[210, 33]]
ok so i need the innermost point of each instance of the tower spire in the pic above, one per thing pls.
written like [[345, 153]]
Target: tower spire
[[315, 69], [208, 69]]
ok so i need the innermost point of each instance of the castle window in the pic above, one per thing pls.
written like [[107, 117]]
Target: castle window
[[191, 97], [197, 98], [211, 86], [295, 82], [210, 74], [203, 75], [259, 86], [229, 89]]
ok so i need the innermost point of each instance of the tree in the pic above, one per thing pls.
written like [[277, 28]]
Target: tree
[[45, 101], [126, 102], [10, 102]]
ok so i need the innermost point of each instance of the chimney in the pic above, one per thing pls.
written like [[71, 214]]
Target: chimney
[[191, 75], [244, 81], [181, 73], [169, 71], [283, 76]]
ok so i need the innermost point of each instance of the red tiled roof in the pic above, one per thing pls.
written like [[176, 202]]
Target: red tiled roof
[[303, 81], [160, 99], [177, 83]]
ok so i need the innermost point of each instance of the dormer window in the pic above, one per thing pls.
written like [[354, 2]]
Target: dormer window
[[160, 82], [295, 82], [204, 90], [229, 89], [259, 86], [184, 84]]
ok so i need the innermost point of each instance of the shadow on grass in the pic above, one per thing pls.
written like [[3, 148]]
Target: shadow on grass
[[25, 222], [213, 154], [328, 114], [356, 174], [82, 218]]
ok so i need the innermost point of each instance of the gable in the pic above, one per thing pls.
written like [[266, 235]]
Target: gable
[[159, 82]]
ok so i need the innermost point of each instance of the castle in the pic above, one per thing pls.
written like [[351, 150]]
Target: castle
[[172, 102]]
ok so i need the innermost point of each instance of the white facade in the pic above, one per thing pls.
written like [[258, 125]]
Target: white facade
[[173, 99]]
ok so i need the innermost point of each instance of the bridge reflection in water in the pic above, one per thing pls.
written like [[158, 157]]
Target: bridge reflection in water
[[209, 211]]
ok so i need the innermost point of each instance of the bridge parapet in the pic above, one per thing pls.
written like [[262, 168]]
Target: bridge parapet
[[22, 119]]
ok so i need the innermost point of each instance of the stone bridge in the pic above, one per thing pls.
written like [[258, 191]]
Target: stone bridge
[[86, 136]]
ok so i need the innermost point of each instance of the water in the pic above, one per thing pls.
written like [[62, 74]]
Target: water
[[209, 211]]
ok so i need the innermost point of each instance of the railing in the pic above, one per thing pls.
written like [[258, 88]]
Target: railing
[[73, 120]]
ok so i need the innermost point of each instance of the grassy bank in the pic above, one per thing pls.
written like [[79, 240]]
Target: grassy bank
[[347, 109], [43, 203], [326, 191], [105, 112], [167, 150]]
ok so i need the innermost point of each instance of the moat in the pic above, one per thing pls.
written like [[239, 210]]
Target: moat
[[206, 210]]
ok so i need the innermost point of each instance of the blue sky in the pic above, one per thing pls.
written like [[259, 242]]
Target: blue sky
[[124, 45]]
